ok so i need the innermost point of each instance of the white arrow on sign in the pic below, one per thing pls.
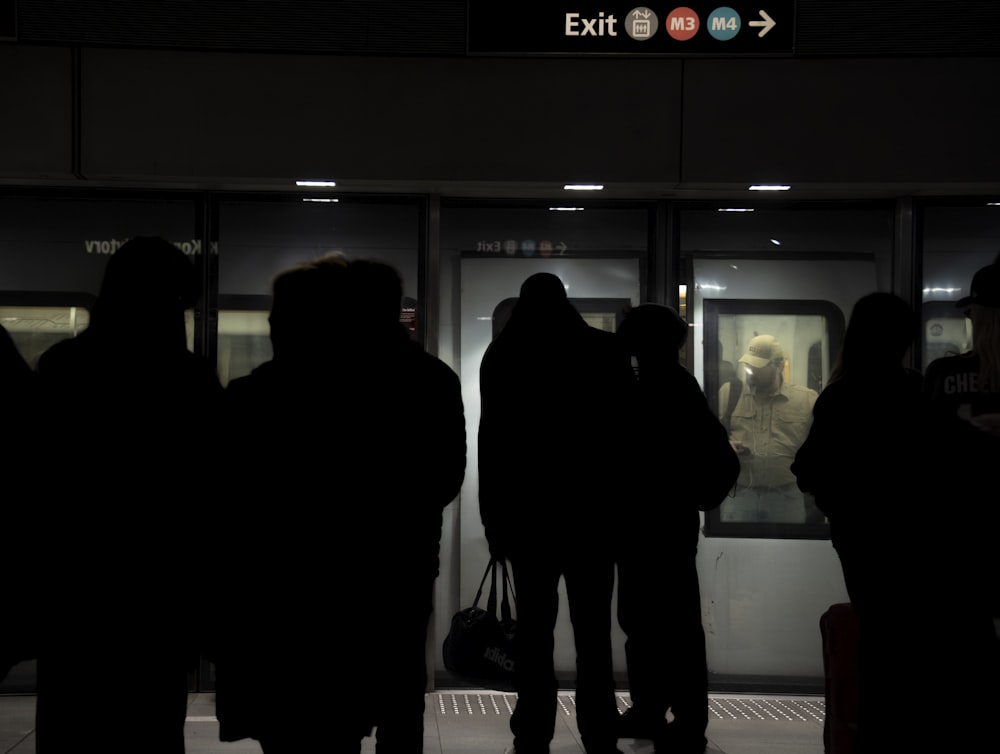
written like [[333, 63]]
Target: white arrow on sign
[[767, 23]]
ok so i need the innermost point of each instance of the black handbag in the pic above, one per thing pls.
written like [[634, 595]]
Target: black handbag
[[479, 647]]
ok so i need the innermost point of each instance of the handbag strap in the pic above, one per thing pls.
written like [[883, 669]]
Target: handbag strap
[[491, 601], [507, 590], [508, 587], [479, 591]]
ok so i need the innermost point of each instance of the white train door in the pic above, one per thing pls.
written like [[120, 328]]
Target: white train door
[[487, 285], [765, 585]]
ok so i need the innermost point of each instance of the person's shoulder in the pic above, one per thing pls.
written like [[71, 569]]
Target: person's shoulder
[[196, 369], [685, 380], [835, 392], [685, 393], [61, 355], [913, 380], [260, 379], [961, 362], [801, 391], [193, 361], [410, 359], [603, 342], [605, 337], [498, 348], [433, 365], [64, 348]]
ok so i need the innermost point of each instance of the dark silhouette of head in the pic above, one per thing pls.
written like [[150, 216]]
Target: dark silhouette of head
[[982, 306], [984, 290], [542, 309], [881, 329], [653, 331], [543, 290], [148, 284], [375, 294], [307, 307]]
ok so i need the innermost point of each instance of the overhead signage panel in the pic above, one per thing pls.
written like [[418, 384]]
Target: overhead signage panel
[[521, 27]]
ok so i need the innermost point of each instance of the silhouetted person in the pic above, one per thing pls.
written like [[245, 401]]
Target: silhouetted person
[[18, 386], [555, 398], [767, 425], [407, 429], [679, 453], [128, 399], [968, 384], [278, 603], [352, 438], [897, 532]]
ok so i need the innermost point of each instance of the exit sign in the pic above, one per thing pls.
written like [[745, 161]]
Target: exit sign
[[526, 27]]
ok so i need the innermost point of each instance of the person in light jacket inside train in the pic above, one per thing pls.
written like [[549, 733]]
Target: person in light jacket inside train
[[767, 424]]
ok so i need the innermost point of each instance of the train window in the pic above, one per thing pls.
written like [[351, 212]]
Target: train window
[[244, 335], [779, 348], [947, 331], [38, 320], [602, 313], [35, 329]]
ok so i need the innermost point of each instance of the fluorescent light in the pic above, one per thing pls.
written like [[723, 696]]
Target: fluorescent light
[[776, 242], [946, 291], [767, 187], [566, 209], [317, 184], [993, 204], [735, 209], [323, 201], [584, 187]]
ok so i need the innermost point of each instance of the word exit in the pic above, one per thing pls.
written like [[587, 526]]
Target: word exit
[[578, 26]]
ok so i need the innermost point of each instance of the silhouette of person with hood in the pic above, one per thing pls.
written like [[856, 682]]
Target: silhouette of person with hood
[[118, 544], [555, 404], [888, 526], [353, 438], [659, 601]]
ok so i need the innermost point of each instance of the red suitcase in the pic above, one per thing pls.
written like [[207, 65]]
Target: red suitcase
[[839, 629]]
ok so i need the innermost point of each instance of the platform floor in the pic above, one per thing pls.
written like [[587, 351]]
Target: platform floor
[[470, 722]]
